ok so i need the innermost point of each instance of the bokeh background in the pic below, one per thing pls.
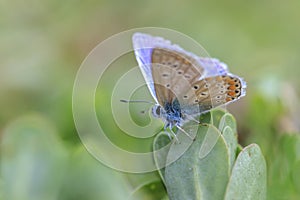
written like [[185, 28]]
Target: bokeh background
[[43, 44]]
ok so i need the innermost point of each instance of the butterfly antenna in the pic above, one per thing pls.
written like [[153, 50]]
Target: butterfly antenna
[[167, 125], [136, 101], [185, 133]]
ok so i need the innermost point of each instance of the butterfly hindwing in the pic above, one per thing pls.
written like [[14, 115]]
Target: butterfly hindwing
[[212, 92]]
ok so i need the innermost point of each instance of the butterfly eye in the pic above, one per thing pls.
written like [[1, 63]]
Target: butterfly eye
[[196, 87], [156, 111]]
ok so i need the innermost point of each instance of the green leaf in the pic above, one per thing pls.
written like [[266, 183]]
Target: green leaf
[[191, 177], [205, 118], [227, 125], [216, 117], [248, 179], [227, 120], [201, 169], [160, 156], [231, 143], [162, 144], [150, 191]]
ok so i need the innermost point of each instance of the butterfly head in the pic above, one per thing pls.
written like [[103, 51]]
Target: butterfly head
[[157, 111]]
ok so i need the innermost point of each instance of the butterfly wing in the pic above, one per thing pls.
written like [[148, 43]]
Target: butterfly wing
[[165, 53], [212, 92], [212, 66], [171, 72], [179, 76], [143, 46]]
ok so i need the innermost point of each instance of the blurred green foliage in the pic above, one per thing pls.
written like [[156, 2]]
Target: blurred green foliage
[[44, 42], [212, 168]]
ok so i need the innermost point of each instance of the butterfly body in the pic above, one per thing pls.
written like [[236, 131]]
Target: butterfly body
[[170, 112], [183, 84]]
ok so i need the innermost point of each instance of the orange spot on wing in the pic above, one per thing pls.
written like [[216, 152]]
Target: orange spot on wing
[[232, 87], [231, 82], [231, 93]]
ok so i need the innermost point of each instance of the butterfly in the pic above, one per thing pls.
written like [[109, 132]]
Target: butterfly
[[183, 84]]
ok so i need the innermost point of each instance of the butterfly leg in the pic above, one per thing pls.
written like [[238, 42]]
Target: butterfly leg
[[169, 125], [174, 135]]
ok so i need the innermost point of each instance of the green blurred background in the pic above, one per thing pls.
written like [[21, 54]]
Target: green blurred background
[[43, 44]]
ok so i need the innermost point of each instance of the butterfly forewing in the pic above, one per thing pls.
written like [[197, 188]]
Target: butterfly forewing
[[173, 73]]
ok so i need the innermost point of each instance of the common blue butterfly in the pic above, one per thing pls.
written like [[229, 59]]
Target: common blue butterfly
[[183, 84]]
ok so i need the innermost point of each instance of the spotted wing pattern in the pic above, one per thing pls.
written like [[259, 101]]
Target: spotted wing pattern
[[179, 76], [198, 83]]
